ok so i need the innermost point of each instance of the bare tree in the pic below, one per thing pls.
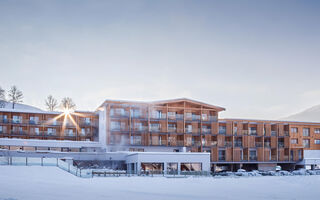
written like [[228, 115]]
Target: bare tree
[[51, 103], [2, 98], [15, 95], [67, 104]]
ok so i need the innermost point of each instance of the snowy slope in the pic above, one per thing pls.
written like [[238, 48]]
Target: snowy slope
[[310, 115], [51, 183]]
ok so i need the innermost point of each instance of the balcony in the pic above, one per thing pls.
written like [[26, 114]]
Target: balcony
[[172, 129], [124, 114], [193, 118], [158, 117], [140, 129], [18, 133], [273, 133], [210, 119]]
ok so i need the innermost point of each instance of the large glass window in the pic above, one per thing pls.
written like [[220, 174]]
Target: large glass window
[[316, 141], [222, 155], [294, 141], [317, 130], [306, 132], [253, 155], [17, 119], [191, 167], [222, 129], [172, 168], [294, 130]]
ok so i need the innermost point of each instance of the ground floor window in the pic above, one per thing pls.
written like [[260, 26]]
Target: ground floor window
[[222, 155], [191, 167], [172, 168], [152, 168]]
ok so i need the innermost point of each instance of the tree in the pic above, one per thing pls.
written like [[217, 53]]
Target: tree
[[51, 103], [15, 95], [2, 98], [67, 104]]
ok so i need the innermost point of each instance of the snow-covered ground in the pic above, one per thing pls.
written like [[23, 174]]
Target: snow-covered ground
[[36, 182]]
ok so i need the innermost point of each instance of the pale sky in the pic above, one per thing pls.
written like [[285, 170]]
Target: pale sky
[[258, 59]]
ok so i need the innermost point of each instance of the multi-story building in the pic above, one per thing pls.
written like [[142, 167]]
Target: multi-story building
[[178, 125], [41, 130]]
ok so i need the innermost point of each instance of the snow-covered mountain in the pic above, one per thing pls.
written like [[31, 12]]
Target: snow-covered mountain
[[309, 115]]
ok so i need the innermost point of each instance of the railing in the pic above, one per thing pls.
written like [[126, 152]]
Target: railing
[[119, 115], [273, 133], [158, 117], [140, 129], [222, 131]]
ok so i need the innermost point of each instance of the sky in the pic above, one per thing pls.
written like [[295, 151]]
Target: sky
[[258, 59]]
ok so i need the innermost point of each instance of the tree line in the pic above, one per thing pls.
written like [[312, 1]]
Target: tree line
[[14, 96]]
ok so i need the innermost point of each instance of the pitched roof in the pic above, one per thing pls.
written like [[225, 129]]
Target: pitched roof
[[217, 108]]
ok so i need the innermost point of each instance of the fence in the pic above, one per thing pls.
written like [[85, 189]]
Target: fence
[[43, 161]]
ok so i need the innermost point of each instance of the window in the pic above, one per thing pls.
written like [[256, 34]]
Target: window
[[51, 131], [306, 132], [1, 129], [222, 155], [189, 128], [294, 141], [87, 120], [253, 155], [68, 132], [317, 130], [316, 141], [135, 140], [204, 117], [115, 125], [36, 130], [306, 143], [294, 130], [191, 167], [253, 131], [34, 120], [83, 131], [222, 129], [16, 119], [171, 114]]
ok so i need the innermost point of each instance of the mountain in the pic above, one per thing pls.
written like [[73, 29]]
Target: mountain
[[309, 115]]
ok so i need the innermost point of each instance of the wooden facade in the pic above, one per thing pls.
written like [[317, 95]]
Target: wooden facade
[[195, 125], [44, 126]]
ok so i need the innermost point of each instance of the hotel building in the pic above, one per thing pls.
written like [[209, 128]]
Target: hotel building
[[165, 127]]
